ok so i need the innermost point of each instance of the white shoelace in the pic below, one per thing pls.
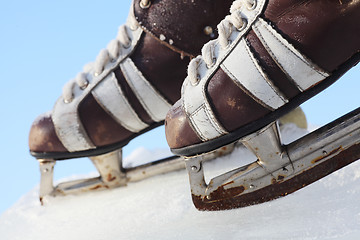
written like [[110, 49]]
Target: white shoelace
[[110, 54], [232, 22]]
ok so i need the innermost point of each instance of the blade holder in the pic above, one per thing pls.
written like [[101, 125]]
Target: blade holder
[[280, 169]]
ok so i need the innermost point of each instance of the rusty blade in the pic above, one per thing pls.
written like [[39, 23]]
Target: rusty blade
[[279, 188], [311, 157]]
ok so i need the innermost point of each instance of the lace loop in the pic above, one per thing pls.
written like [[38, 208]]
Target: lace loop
[[101, 61], [110, 54], [114, 49], [68, 91], [208, 55], [81, 80], [123, 37], [193, 71], [234, 21], [238, 21], [225, 30]]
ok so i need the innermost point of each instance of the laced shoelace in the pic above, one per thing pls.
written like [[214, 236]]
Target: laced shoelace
[[110, 54], [232, 22]]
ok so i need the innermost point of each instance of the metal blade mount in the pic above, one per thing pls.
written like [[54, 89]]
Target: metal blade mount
[[111, 172], [280, 169]]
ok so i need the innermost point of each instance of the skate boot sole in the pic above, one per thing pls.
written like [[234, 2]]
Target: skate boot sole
[[91, 152]]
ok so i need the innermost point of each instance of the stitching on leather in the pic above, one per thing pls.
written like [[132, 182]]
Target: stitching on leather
[[305, 62], [262, 73], [213, 123], [208, 110], [244, 89], [262, 40], [149, 87], [190, 120], [124, 101], [136, 93], [195, 125]]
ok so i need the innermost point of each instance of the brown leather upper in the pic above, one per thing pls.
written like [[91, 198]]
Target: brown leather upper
[[181, 23], [163, 63], [325, 31]]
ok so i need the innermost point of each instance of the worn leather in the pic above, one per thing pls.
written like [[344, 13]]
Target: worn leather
[[162, 64], [43, 137], [182, 22], [178, 128], [280, 80], [325, 31]]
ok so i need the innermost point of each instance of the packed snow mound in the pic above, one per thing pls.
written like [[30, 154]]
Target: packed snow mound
[[161, 208]]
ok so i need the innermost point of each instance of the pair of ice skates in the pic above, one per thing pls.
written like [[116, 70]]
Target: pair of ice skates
[[265, 59]]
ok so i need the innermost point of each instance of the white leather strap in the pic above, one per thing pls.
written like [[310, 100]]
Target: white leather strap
[[68, 126], [110, 96], [154, 104], [243, 68], [202, 118], [238, 62], [195, 103], [302, 71]]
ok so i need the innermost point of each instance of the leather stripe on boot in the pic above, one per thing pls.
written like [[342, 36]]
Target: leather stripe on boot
[[133, 82], [270, 56]]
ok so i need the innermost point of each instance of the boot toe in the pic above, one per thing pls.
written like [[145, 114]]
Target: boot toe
[[179, 133], [43, 138]]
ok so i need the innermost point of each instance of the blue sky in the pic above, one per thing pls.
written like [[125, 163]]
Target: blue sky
[[46, 43]]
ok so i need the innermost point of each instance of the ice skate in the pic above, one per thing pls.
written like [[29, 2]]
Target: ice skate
[[270, 56], [124, 93]]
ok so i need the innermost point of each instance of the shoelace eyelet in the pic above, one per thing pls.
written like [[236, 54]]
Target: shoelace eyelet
[[144, 4], [212, 64], [127, 46], [253, 6], [208, 30], [229, 44], [197, 81], [67, 101], [245, 22], [84, 86]]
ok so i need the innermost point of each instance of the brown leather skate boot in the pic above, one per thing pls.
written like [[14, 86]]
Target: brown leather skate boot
[[132, 84], [126, 91], [271, 55]]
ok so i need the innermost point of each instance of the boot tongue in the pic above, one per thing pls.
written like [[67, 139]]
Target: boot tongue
[[184, 26]]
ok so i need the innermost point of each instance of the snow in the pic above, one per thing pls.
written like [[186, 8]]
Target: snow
[[161, 208]]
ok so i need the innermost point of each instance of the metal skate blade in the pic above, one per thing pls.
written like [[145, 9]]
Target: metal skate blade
[[112, 174], [108, 166], [280, 169]]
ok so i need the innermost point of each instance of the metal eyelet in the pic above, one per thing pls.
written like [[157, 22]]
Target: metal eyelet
[[127, 45], [253, 6], [67, 101], [212, 64], [144, 4], [196, 82], [133, 27], [245, 22], [85, 86], [208, 30]]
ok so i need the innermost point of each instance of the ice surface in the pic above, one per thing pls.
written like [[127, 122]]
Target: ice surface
[[161, 208]]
